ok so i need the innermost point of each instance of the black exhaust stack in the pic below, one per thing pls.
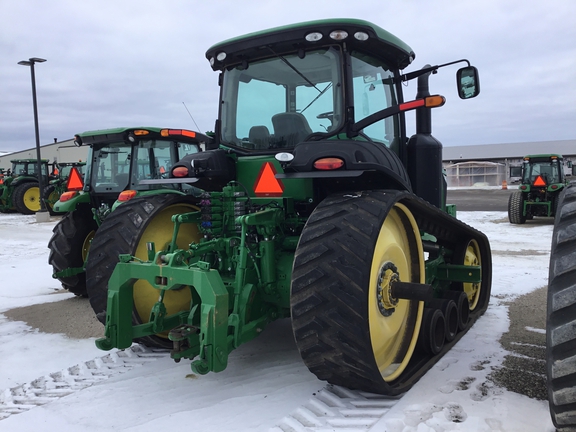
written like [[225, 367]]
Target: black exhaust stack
[[425, 154]]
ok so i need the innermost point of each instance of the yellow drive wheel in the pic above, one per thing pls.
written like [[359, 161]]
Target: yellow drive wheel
[[472, 257], [350, 329], [127, 230], [159, 230], [27, 198], [394, 324]]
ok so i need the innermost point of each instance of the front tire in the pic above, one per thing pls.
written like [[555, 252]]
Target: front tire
[[349, 330], [561, 315], [516, 208], [27, 198], [69, 247], [126, 231]]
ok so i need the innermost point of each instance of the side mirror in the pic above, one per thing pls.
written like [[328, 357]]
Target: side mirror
[[468, 82], [515, 171]]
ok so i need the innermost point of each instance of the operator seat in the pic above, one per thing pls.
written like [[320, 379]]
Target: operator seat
[[259, 136], [290, 128]]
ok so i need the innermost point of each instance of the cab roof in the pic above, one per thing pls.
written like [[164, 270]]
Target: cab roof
[[291, 38]]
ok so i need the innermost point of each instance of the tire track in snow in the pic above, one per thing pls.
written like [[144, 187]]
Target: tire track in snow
[[337, 408], [50, 387]]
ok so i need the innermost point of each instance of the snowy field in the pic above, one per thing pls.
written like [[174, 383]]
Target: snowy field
[[266, 386]]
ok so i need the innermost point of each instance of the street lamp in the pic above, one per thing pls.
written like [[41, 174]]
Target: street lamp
[[42, 215]]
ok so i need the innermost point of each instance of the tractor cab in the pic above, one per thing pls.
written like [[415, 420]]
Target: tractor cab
[[326, 97], [541, 171], [322, 80], [124, 158]]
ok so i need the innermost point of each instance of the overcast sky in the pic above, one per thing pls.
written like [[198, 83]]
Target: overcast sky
[[134, 63]]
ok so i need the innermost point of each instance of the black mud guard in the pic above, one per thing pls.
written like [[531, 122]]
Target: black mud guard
[[358, 157]]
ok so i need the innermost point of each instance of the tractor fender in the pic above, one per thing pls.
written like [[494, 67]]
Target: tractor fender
[[67, 206]]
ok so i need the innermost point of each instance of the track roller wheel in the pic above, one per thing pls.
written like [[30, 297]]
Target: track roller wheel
[[451, 316], [126, 231], [561, 315], [349, 329], [69, 247], [27, 198], [460, 299], [516, 208], [433, 332]]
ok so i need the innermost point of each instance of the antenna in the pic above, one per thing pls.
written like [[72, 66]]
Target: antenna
[[197, 128]]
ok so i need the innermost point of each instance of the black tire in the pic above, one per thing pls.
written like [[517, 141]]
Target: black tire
[[341, 268], [126, 231], [561, 315], [516, 208], [50, 196], [26, 198], [69, 247]]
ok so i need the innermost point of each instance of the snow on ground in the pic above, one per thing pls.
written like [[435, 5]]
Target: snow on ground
[[266, 380]]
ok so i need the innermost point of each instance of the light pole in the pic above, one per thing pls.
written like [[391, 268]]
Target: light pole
[[42, 215]]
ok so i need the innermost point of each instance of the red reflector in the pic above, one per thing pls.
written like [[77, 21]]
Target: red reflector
[[523, 187], [411, 105], [127, 195], [180, 172], [67, 196], [266, 182], [182, 132], [75, 182], [554, 187], [328, 163], [539, 181]]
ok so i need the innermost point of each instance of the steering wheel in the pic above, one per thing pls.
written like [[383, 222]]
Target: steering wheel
[[326, 115]]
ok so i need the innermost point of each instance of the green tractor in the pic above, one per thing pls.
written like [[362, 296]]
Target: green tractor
[[119, 162], [542, 180], [19, 190], [57, 186], [316, 206], [561, 315]]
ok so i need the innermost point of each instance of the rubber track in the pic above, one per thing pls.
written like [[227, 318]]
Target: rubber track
[[561, 314], [337, 408], [51, 387], [330, 337]]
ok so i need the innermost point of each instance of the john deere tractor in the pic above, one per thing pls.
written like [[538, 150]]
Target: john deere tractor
[[317, 207], [57, 186], [19, 190], [542, 180], [118, 162]]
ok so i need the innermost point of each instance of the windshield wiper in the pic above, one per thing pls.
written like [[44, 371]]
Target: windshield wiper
[[295, 70]]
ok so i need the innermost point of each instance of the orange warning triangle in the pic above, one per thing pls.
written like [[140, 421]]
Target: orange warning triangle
[[266, 182], [75, 182], [539, 181]]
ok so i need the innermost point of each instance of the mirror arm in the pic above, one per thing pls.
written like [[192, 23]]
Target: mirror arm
[[433, 69]]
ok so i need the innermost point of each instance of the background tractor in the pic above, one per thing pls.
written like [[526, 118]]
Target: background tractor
[[19, 188], [561, 315], [315, 206], [57, 186], [118, 160], [542, 180]]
